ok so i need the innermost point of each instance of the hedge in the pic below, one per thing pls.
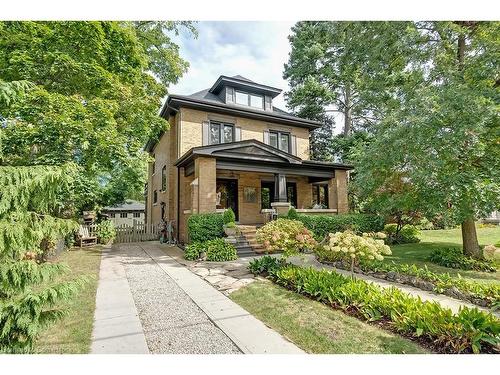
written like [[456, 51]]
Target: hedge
[[469, 330], [204, 227], [321, 225]]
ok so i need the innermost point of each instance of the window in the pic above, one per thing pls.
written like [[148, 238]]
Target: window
[[153, 165], [137, 214], [164, 178], [112, 215], [320, 195], [251, 100], [155, 197], [123, 215], [221, 133], [280, 140]]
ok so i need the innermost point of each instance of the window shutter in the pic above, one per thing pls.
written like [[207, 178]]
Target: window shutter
[[294, 145], [237, 134], [266, 137], [205, 132]]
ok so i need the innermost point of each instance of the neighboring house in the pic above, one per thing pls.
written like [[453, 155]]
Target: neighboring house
[[126, 213], [228, 146], [493, 218]]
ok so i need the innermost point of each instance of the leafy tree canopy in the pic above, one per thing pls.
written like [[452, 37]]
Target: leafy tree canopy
[[98, 88]]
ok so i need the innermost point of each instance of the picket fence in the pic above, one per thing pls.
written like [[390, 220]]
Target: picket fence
[[135, 233]]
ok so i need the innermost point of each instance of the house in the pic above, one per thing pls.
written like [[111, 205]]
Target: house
[[229, 146], [126, 214]]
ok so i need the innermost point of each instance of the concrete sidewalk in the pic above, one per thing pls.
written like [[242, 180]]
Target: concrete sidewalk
[[117, 328], [246, 331]]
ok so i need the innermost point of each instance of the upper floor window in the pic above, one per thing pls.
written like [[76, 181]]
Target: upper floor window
[[251, 100], [123, 215], [221, 132], [153, 166], [164, 178], [112, 215], [280, 140], [137, 214], [155, 197]]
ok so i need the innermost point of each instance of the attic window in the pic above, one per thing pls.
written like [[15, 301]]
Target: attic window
[[251, 100]]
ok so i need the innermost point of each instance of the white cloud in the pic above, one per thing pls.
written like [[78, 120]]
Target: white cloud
[[255, 50]]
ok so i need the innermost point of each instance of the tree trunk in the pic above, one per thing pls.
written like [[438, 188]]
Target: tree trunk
[[347, 111], [469, 239]]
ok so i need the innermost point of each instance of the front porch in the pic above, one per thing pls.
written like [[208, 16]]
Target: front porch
[[254, 179]]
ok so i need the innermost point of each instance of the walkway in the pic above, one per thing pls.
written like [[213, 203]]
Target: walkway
[[445, 301], [157, 305]]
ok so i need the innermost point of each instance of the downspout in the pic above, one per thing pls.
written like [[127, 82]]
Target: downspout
[[178, 201]]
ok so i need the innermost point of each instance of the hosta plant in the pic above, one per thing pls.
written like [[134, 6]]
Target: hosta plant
[[347, 246], [289, 236]]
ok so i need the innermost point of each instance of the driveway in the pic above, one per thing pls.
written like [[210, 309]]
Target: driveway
[[147, 302]]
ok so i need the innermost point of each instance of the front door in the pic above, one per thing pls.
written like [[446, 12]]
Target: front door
[[227, 195]]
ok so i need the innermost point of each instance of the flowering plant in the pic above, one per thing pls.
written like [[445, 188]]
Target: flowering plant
[[290, 236], [348, 246]]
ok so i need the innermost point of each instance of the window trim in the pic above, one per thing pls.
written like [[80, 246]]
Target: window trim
[[279, 133], [222, 125], [249, 100]]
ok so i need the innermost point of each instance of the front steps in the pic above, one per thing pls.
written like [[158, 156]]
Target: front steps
[[246, 242]]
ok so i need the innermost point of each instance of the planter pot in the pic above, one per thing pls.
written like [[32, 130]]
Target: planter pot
[[230, 232]]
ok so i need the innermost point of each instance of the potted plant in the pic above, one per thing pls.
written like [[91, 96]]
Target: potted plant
[[229, 223]]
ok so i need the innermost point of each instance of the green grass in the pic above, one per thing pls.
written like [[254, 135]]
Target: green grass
[[315, 327], [73, 333], [418, 253]]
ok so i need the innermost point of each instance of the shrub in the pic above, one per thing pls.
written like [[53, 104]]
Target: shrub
[[348, 246], [454, 258], [203, 227], [321, 225], [292, 214], [470, 330], [193, 251], [220, 251], [228, 216], [289, 236], [106, 231], [264, 265], [407, 234], [425, 224], [443, 283], [216, 250]]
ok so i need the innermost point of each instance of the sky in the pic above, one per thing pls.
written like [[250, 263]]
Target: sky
[[255, 50]]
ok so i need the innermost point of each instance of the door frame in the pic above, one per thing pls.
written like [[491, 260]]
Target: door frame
[[236, 195]]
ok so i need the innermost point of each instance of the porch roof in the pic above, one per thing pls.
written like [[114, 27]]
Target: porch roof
[[255, 156]]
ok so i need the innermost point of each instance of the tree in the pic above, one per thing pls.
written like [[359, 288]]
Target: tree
[[442, 138], [98, 87], [329, 73]]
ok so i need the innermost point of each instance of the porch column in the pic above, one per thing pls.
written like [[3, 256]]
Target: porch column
[[337, 192], [205, 174], [280, 188], [280, 204]]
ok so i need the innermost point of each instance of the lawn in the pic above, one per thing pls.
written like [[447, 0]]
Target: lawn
[[73, 333], [418, 253], [315, 327]]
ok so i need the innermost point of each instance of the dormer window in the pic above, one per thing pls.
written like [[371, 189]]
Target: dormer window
[[248, 99]]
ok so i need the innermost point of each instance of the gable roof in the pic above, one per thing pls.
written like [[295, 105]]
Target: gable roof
[[128, 205], [254, 151]]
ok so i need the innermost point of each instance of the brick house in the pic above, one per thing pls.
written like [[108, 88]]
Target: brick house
[[228, 146]]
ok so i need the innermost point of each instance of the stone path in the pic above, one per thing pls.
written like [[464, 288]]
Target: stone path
[[149, 302], [454, 304], [117, 328]]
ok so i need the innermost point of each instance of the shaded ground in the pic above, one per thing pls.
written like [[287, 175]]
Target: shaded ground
[[73, 333], [315, 327], [419, 253]]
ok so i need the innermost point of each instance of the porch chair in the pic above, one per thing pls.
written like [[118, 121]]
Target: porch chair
[[83, 237]]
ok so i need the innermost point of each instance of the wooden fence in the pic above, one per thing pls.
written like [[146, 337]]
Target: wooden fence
[[136, 233]]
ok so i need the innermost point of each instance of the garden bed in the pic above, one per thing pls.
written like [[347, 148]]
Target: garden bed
[[430, 283]]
